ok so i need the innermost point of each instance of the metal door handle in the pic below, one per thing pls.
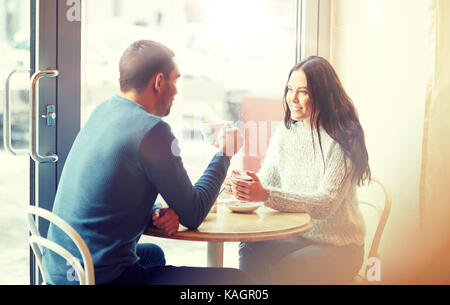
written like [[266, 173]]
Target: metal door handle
[[34, 118], [7, 139]]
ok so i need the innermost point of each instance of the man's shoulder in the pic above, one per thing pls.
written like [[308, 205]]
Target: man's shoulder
[[118, 109], [158, 142], [158, 130]]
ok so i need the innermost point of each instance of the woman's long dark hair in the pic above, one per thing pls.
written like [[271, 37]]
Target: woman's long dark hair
[[332, 109]]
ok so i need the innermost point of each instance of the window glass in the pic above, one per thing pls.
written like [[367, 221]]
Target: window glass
[[234, 57], [14, 181]]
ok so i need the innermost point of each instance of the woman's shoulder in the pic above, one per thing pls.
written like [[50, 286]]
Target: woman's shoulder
[[329, 145]]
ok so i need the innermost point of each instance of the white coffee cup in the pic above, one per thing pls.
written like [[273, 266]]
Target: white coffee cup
[[211, 129], [242, 175]]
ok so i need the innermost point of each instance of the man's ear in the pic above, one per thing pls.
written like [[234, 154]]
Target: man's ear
[[157, 86]]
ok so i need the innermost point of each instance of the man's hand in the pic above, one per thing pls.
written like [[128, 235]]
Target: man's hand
[[230, 140], [167, 220]]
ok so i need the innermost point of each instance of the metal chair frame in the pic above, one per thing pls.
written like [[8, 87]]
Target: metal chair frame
[[37, 242]]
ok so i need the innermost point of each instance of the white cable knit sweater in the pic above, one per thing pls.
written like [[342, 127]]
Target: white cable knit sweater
[[298, 181]]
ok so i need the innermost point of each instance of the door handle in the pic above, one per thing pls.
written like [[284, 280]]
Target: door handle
[[7, 127], [34, 118]]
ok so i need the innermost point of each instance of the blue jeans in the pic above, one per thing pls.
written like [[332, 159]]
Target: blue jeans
[[296, 260], [151, 269]]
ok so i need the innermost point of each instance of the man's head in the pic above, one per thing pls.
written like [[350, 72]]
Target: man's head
[[148, 72]]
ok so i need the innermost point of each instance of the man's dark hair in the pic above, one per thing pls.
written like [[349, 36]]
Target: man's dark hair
[[141, 61]]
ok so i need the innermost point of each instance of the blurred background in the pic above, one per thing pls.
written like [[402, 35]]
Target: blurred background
[[230, 54]]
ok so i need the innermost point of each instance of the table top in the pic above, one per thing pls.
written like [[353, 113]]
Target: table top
[[226, 226]]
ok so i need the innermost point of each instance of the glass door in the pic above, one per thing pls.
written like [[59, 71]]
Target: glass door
[[14, 159], [40, 90]]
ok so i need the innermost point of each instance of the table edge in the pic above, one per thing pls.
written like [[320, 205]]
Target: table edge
[[192, 235]]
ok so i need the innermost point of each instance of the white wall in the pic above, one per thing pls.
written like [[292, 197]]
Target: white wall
[[380, 49], [435, 191]]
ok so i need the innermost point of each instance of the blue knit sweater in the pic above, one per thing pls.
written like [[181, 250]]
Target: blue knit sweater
[[119, 163]]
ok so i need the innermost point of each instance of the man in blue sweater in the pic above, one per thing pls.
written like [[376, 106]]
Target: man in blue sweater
[[124, 156]]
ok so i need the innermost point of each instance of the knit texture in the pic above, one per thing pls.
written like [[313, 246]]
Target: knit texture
[[301, 180]]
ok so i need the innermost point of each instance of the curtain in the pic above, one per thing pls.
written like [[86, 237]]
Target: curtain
[[435, 171]]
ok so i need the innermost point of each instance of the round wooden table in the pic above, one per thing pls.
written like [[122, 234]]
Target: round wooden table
[[226, 226]]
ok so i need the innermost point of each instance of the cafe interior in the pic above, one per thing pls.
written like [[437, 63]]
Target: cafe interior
[[59, 60]]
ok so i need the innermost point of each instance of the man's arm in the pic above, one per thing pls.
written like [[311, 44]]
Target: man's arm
[[159, 155]]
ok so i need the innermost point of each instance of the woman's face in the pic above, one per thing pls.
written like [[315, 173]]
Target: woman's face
[[297, 97]]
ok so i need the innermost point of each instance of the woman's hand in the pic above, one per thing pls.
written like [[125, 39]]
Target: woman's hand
[[227, 183], [249, 190], [166, 219]]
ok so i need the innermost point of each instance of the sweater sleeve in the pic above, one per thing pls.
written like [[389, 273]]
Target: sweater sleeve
[[268, 173], [321, 203], [159, 156]]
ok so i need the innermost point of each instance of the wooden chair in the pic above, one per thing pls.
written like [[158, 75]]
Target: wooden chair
[[381, 211]]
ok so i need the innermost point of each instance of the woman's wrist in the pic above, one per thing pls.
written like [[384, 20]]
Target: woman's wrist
[[266, 194]]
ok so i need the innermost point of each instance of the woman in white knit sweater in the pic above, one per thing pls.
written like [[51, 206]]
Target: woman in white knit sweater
[[314, 163]]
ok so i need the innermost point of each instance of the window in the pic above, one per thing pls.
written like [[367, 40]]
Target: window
[[14, 46], [234, 57], [228, 52]]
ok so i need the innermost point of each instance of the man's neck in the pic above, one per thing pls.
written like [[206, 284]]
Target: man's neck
[[137, 98], [132, 96]]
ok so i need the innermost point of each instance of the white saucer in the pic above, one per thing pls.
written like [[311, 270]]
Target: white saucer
[[242, 207]]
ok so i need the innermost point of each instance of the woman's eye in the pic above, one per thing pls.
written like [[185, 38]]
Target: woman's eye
[[303, 92]]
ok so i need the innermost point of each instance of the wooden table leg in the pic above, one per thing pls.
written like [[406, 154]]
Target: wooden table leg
[[215, 254]]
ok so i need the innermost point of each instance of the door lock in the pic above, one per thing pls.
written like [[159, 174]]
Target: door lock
[[51, 115]]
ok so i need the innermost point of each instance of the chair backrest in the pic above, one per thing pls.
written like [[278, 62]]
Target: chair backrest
[[382, 213], [37, 242]]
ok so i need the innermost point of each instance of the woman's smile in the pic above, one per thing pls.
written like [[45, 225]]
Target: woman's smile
[[296, 108]]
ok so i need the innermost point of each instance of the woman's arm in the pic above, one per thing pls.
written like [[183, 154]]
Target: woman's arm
[[321, 203], [268, 173]]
